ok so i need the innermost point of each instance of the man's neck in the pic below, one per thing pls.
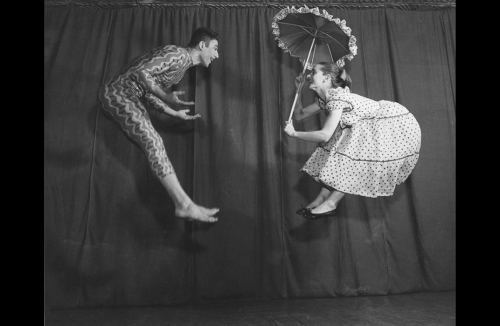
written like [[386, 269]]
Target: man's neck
[[194, 56]]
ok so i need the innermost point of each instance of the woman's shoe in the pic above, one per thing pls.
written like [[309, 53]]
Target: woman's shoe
[[311, 216], [303, 210]]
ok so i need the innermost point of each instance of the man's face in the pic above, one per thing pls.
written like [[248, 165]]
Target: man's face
[[209, 52]]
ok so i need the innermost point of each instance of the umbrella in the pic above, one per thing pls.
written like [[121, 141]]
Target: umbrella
[[314, 37]]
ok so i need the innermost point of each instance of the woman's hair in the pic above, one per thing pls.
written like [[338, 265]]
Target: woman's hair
[[339, 75], [202, 34]]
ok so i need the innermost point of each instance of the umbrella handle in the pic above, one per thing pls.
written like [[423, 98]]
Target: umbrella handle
[[293, 105], [299, 89]]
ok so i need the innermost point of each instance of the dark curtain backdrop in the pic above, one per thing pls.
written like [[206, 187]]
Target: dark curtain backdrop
[[111, 238]]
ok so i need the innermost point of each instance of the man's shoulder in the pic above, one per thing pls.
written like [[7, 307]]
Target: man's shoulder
[[170, 50]]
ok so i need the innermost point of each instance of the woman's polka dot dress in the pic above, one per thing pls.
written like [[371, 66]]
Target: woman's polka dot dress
[[374, 148]]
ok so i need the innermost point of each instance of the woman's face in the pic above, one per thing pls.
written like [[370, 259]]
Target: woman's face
[[316, 80]]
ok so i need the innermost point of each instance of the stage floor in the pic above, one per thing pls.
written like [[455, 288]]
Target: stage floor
[[430, 308]]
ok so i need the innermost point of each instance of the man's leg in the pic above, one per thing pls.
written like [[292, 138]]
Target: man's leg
[[184, 206], [132, 117]]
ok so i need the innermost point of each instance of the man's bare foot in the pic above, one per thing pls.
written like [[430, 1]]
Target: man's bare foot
[[209, 211], [197, 213]]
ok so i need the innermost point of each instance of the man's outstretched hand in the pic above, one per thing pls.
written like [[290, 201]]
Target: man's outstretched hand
[[173, 99], [183, 114]]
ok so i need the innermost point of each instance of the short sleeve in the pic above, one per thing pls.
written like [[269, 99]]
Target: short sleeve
[[337, 105]]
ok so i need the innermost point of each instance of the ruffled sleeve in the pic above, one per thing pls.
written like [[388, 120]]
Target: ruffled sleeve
[[336, 100]]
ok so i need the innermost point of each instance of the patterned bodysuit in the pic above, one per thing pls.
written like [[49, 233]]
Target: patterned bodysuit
[[122, 98]]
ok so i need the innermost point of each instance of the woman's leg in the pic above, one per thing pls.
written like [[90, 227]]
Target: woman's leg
[[330, 203], [322, 196], [132, 117]]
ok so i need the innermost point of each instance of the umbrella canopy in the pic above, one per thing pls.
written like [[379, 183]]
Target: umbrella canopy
[[313, 36]]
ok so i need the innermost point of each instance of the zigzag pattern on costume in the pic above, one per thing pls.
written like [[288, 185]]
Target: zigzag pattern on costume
[[121, 98]]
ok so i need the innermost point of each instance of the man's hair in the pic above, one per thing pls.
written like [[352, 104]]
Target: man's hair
[[202, 34]]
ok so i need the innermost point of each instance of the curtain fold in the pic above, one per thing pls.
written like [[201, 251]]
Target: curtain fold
[[111, 238]]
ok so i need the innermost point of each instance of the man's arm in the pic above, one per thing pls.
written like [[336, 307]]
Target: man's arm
[[144, 75], [156, 95], [159, 105]]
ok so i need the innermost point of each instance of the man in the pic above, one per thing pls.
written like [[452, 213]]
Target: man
[[147, 79]]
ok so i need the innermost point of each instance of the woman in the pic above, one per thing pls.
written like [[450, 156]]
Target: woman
[[368, 147]]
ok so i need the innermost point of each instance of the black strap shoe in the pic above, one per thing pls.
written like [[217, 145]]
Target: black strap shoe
[[311, 216], [303, 210]]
